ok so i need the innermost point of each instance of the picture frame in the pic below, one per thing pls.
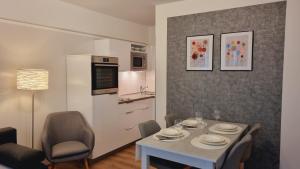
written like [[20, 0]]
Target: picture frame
[[200, 52], [237, 51]]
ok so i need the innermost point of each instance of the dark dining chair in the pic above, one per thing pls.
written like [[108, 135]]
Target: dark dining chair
[[149, 128], [253, 132], [235, 155], [170, 119], [67, 137]]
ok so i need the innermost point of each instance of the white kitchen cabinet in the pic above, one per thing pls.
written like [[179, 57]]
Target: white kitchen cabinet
[[115, 48], [134, 113], [79, 85], [108, 135], [114, 124]]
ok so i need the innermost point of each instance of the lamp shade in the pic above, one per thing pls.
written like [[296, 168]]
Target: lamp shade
[[32, 79]]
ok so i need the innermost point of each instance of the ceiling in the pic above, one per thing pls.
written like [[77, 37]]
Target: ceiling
[[138, 11]]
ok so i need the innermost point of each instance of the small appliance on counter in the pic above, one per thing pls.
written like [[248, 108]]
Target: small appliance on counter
[[138, 57], [104, 75]]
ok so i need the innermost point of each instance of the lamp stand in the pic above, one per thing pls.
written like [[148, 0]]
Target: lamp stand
[[32, 120]]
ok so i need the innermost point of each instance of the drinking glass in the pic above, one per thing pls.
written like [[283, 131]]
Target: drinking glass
[[199, 116], [217, 114], [177, 123]]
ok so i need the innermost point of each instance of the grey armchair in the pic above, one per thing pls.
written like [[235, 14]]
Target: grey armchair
[[67, 137]]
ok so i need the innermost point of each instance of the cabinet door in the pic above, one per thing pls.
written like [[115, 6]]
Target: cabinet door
[[121, 49], [115, 48], [133, 114], [129, 125], [147, 110], [102, 47], [106, 124]]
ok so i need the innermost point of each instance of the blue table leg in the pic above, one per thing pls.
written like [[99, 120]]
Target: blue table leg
[[145, 159]]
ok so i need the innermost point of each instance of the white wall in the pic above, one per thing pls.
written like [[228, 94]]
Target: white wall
[[177, 9], [290, 135], [59, 14], [27, 47]]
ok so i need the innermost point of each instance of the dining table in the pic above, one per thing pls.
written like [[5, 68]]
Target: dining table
[[182, 151]]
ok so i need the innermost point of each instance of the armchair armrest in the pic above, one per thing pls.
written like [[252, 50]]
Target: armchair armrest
[[88, 138], [8, 135], [46, 143]]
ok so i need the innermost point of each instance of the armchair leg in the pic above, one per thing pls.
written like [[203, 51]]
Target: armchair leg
[[86, 164], [242, 166], [52, 166]]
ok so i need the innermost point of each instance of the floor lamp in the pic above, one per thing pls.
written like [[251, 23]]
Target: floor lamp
[[33, 80]]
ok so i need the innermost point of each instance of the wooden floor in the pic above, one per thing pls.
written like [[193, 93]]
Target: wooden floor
[[124, 159]]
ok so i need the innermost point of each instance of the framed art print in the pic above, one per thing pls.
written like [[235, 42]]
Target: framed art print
[[200, 52], [236, 51]]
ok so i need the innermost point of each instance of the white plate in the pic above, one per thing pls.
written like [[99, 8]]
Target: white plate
[[215, 130], [171, 132], [190, 122], [226, 130], [214, 140], [197, 143], [225, 126], [185, 135], [213, 144]]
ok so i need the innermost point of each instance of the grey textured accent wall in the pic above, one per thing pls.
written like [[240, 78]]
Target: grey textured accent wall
[[242, 96]]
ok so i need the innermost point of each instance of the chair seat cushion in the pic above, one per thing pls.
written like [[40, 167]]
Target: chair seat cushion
[[68, 148], [20, 157]]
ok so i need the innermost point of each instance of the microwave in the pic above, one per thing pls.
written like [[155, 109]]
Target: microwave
[[138, 61], [104, 75]]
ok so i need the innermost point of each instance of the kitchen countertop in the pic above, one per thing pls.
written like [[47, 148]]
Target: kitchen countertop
[[135, 97]]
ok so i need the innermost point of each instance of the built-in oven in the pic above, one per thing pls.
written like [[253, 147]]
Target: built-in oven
[[104, 75]]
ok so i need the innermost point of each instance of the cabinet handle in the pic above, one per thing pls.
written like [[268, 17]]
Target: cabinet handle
[[130, 128], [145, 108], [129, 112]]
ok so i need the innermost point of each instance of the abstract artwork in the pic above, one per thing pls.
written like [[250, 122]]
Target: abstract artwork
[[200, 52], [236, 51]]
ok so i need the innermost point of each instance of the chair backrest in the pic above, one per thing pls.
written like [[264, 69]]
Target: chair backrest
[[65, 126], [170, 118], [8, 135], [236, 153], [253, 132], [254, 129], [148, 128]]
